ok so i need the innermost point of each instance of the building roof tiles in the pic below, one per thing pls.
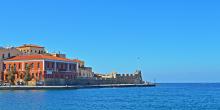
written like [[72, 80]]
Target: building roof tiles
[[30, 45], [38, 57], [78, 61]]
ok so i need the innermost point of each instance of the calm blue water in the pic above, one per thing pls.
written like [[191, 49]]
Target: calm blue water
[[162, 97]]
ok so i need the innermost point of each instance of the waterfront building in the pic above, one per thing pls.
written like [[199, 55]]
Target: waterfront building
[[5, 53], [106, 76], [30, 49], [135, 78], [58, 55], [41, 67], [83, 72], [53, 69]]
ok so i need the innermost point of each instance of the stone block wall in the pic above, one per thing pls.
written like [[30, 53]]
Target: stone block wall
[[120, 79]]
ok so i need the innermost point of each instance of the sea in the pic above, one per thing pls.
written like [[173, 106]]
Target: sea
[[172, 96]]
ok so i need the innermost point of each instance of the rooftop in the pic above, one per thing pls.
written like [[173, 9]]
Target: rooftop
[[78, 61], [38, 57], [6, 48], [30, 45]]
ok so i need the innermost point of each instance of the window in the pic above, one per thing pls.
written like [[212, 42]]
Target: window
[[26, 65], [48, 65], [9, 55], [32, 65], [61, 66], [3, 56], [9, 66], [4, 66], [15, 66], [40, 75], [38, 65], [35, 51], [31, 51], [19, 66], [39, 52], [32, 75], [71, 67]]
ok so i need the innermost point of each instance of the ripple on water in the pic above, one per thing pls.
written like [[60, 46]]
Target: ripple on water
[[162, 97]]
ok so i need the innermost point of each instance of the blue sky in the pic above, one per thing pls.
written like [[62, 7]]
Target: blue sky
[[176, 40]]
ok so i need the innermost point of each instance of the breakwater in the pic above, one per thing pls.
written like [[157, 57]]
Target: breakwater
[[73, 87]]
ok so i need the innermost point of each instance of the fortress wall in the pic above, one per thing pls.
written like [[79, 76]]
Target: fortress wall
[[93, 81], [53, 81], [135, 78]]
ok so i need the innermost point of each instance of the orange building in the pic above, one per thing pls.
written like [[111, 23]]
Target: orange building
[[41, 67]]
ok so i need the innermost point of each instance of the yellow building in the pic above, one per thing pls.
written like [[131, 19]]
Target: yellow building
[[31, 49], [107, 76]]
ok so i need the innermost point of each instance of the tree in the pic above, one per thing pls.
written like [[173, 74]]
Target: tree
[[27, 76], [11, 75]]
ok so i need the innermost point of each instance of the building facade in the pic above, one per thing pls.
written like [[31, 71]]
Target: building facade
[[53, 69], [6, 53], [30, 49], [83, 72], [58, 55], [41, 67]]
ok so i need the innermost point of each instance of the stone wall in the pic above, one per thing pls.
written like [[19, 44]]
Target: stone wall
[[120, 79]]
